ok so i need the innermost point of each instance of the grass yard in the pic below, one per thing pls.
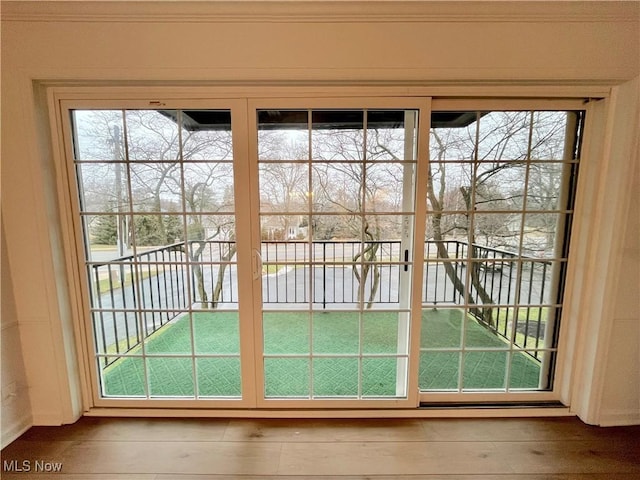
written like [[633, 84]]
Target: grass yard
[[328, 347]]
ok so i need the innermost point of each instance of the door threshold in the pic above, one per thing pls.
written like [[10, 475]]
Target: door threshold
[[440, 411]]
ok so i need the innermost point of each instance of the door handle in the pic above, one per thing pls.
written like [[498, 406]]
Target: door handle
[[406, 260], [257, 264]]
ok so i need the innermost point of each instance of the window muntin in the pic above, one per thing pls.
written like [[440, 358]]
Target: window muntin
[[336, 191], [491, 214], [499, 207], [157, 210]]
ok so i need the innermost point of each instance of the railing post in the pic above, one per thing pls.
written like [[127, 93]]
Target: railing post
[[324, 275]]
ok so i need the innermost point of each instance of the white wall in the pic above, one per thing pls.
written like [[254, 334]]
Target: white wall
[[621, 388], [16, 407], [570, 44]]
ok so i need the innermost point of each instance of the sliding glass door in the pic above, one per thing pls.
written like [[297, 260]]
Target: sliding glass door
[[157, 208], [334, 250], [500, 195], [321, 252]]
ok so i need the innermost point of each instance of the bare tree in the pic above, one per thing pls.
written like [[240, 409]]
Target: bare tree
[[356, 191], [493, 174], [168, 169]]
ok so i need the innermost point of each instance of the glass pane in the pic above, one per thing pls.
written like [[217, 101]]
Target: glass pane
[[156, 187], [216, 332], [337, 227], [152, 135], [389, 188], [170, 377], [103, 187], [327, 252], [285, 285], [444, 282], [484, 370], [211, 238], [504, 136], [112, 285], [480, 329], [391, 135], [505, 320], [548, 136], [99, 135], [284, 187], [214, 285], [279, 233], [439, 370], [153, 321], [447, 235], [380, 332], [526, 369], [496, 231], [172, 338], [379, 376], [485, 284], [337, 187], [117, 332], [380, 230], [139, 261], [545, 186], [493, 282], [539, 236], [283, 135], [336, 333], [381, 287], [441, 328], [337, 135], [536, 282], [157, 230], [123, 377], [334, 282], [286, 377], [208, 187], [108, 237], [449, 187], [219, 377], [453, 136], [335, 377], [285, 332], [206, 135], [123, 286], [530, 328], [334, 286], [500, 186]]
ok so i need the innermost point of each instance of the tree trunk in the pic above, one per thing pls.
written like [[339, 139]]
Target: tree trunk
[[483, 314], [217, 290], [194, 256], [368, 254], [374, 286]]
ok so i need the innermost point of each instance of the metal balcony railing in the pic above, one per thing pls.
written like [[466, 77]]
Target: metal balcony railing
[[133, 296]]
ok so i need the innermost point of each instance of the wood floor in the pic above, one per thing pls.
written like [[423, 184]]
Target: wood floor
[[215, 449]]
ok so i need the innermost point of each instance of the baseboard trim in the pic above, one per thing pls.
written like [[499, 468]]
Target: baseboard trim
[[384, 413], [12, 432], [49, 419], [619, 418]]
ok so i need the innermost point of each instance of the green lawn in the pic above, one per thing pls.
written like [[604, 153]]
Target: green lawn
[[340, 360]]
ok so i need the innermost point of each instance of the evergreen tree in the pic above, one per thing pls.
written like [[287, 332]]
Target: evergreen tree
[[105, 231]]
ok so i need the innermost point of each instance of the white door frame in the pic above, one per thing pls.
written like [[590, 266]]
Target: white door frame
[[415, 232]]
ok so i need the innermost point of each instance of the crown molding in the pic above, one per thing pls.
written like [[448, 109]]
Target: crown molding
[[318, 11]]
